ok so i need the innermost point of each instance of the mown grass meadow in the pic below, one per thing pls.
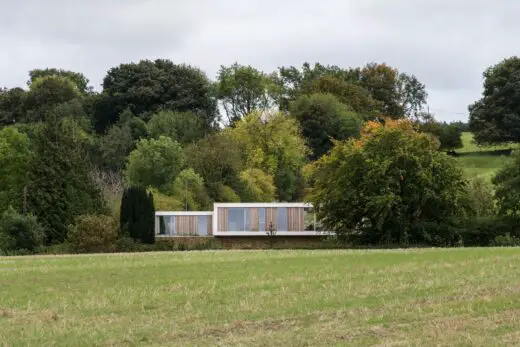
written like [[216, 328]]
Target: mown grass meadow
[[263, 298]]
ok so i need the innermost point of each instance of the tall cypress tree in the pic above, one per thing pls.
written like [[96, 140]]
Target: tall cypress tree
[[137, 215]]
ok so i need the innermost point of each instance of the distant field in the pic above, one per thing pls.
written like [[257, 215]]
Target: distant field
[[426, 297], [481, 165], [470, 146]]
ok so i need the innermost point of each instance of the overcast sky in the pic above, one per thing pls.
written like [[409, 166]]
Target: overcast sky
[[446, 43]]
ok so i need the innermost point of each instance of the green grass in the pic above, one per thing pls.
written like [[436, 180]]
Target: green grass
[[470, 146], [485, 166], [480, 164], [263, 298]]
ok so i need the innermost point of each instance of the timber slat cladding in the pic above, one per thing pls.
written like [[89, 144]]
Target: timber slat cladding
[[295, 218], [210, 225], [223, 219], [187, 225], [271, 216], [253, 219]]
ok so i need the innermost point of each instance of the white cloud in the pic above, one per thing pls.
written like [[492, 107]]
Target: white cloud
[[446, 44]]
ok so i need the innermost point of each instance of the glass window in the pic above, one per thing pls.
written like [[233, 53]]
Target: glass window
[[202, 225], [261, 219], [236, 218], [309, 219], [171, 227], [282, 219]]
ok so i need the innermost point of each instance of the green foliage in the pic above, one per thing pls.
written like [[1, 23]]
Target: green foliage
[[60, 186], [449, 135], [242, 90], [506, 241], [386, 187], [93, 234], [165, 202], [273, 144], [481, 197], [80, 81], [185, 127], [373, 90], [15, 158], [226, 193], [495, 118], [121, 139], [189, 188], [48, 92], [12, 106], [484, 231], [218, 159], [323, 118], [507, 188], [155, 163], [257, 186], [19, 232], [356, 97], [149, 86], [137, 216]]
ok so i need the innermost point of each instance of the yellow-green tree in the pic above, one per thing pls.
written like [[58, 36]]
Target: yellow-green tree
[[272, 142]]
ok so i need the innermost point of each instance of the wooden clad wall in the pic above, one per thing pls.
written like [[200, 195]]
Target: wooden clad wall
[[295, 217], [186, 225], [223, 224], [210, 225], [253, 219], [271, 216]]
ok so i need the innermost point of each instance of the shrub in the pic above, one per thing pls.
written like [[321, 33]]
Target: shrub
[[19, 232], [506, 241], [137, 217], [93, 234], [485, 230]]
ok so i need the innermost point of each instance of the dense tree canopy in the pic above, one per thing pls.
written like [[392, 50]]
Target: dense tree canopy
[[149, 86], [155, 163], [386, 186], [272, 143], [15, 156], [495, 118], [242, 90], [80, 81], [323, 118]]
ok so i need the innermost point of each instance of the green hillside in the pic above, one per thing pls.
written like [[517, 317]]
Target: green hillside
[[479, 163]]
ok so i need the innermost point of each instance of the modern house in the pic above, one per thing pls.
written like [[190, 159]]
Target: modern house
[[233, 223]]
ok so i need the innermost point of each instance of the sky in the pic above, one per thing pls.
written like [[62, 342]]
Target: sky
[[447, 44]]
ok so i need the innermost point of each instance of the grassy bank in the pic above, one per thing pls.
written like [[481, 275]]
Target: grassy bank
[[286, 298], [480, 164]]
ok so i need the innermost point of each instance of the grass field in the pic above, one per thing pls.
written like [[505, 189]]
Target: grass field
[[263, 298], [481, 165]]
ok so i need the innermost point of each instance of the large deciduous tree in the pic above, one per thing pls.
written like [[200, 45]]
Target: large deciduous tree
[[323, 118], [272, 142], [80, 81], [12, 106], [46, 93], [184, 127], [149, 86], [495, 118], [155, 163], [242, 90], [388, 187], [375, 89], [218, 159]]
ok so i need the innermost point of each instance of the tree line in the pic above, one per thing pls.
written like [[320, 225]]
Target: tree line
[[68, 151]]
